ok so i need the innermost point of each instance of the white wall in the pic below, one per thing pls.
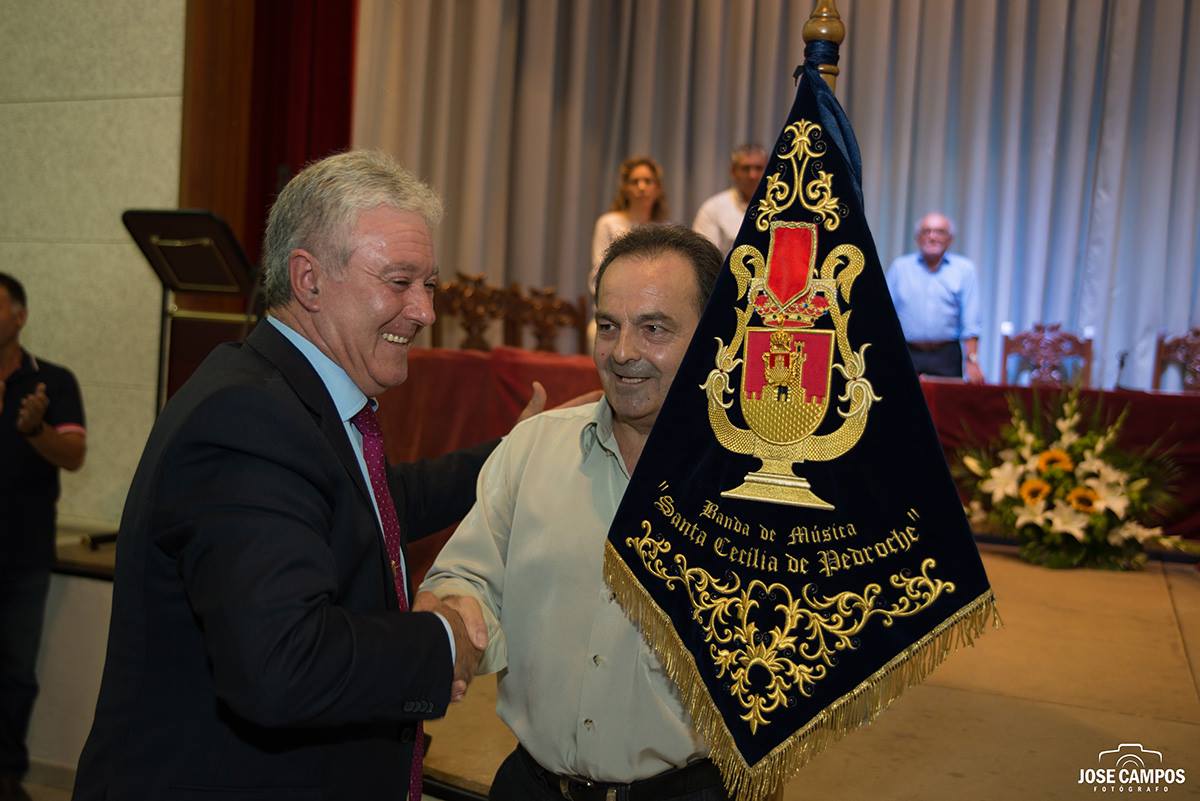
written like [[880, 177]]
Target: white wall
[[69, 667], [90, 106]]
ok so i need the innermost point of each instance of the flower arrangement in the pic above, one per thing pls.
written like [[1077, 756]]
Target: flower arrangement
[[1066, 492]]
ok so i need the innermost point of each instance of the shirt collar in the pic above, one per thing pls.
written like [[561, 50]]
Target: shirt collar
[[347, 397], [28, 363], [921, 261], [599, 430]]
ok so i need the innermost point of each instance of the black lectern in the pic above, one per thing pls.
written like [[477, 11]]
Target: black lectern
[[208, 286]]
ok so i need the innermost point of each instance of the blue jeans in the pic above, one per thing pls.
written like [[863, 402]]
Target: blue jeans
[[516, 781], [22, 609]]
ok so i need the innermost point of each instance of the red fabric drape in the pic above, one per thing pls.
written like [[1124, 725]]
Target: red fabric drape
[[302, 96], [455, 398]]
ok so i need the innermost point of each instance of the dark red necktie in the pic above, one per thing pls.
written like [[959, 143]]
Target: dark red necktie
[[368, 425]]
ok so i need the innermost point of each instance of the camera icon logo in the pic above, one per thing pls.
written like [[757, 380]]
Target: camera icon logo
[[1130, 755]]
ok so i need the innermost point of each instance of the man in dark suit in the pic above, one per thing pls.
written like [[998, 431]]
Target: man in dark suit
[[259, 645]]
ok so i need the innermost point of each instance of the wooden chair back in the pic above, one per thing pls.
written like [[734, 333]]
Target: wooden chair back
[[1045, 351], [476, 305], [1183, 350]]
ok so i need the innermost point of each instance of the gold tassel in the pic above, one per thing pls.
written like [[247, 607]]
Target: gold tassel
[[854, 710]]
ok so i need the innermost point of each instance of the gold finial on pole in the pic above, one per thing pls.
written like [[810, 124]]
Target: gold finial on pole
[[825, 24]]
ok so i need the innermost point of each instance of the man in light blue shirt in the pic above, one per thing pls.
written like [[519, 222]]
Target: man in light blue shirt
[[936, 294]]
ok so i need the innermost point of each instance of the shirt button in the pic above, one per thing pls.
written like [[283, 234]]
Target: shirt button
[[587, 724], [597, 659]]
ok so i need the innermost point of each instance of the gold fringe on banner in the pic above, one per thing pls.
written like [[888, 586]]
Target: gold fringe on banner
[[853, 710]]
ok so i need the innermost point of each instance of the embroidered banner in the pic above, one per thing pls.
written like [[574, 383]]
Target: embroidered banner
[[791, 543]]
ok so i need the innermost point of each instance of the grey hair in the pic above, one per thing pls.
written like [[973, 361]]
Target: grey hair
[[747, 149], [946, 217], [319, 207]]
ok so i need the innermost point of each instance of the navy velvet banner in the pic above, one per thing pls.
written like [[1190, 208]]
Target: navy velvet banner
[[791, 542]]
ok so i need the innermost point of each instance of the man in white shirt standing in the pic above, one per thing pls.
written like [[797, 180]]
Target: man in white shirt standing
[[594, 712], [720, 217]]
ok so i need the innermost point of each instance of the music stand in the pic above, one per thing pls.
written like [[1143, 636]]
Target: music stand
[[193, 252]]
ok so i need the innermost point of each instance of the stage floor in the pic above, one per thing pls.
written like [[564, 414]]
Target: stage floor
[[1086, 660]]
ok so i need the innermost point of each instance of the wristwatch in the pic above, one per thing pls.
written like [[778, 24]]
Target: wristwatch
[[973, 358]]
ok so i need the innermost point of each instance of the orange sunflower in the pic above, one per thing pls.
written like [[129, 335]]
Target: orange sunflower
[[1034, 490], [1055, 457], [1083, 499]]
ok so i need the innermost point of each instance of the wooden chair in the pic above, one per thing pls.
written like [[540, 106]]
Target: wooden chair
[[1183, 350], [476, 304], [1045, 350], [546, 314]]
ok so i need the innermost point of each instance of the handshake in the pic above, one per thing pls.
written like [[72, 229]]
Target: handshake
[[470, 634]]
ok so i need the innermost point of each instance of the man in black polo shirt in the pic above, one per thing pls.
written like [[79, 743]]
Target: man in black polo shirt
[[41, 430]]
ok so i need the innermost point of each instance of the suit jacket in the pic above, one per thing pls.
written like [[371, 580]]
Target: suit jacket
[[256, 650]]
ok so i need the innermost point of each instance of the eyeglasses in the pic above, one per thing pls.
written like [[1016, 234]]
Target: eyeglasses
[[933, 231]]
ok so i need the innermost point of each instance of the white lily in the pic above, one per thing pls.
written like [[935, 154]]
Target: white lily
[[1105, 479], [1106, 439], [1109, 496], [1003, 481], [1111, 475], [1067, 432], [1133, 530], [1089, 465], [1027, 440], [1065, 520], [1035, 514]]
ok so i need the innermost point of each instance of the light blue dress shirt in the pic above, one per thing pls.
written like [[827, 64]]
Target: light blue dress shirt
[[347, 399], [937, 305]]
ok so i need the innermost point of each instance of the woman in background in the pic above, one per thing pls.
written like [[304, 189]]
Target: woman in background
[[640, 199]]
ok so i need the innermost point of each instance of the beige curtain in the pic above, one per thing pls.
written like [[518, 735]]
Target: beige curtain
[[1063, 136], [520, 112]]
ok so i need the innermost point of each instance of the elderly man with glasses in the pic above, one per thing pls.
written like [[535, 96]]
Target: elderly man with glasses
[[936, 294]]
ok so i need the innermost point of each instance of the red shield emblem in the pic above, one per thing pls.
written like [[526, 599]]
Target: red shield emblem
[[785, 381], [791, 258]]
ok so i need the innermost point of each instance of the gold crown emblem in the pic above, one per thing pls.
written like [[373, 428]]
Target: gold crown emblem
[[803, 312]]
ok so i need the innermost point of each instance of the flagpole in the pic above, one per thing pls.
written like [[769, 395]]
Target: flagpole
[[825, 25]]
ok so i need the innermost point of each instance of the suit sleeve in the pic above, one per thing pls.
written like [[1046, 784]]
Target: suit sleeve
[[434, 493], [250, 506]]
